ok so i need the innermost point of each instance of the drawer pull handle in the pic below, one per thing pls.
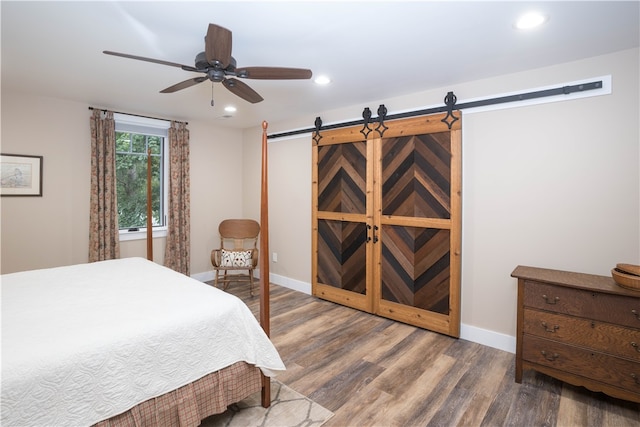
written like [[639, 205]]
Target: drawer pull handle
[[635, 378], [636, 346], [553, 329], [635, 313], [550, 357], [550, 301]]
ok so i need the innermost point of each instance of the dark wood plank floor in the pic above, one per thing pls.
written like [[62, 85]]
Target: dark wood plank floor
[[372, 371]]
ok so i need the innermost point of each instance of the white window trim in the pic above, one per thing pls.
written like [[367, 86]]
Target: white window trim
[[148, 126], [126, 235]]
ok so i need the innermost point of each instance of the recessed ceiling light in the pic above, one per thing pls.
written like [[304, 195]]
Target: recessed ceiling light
[[230, 109], [322, 80], [530, 20]]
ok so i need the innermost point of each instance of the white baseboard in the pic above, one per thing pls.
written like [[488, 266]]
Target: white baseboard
[[296, 285], [488, 338], [467, 332]]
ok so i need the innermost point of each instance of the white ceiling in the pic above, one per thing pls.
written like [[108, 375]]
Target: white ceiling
[[371, 49]]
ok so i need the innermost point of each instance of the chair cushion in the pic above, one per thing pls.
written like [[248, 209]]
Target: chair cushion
[[235, 258]]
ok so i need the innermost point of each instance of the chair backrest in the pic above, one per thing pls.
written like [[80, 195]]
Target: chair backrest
[[240, 232]]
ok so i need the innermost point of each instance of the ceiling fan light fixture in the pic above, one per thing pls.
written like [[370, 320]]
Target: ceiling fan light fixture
[[322, 80], [230, 109], [530, 20]]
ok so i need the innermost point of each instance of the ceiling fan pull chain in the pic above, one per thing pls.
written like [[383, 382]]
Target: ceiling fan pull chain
[[212, 94]]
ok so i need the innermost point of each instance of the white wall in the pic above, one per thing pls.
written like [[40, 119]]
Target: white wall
[[53, 230], [217, 179], [552, 185]]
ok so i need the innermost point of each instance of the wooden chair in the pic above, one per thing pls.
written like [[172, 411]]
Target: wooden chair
[[238, 251]]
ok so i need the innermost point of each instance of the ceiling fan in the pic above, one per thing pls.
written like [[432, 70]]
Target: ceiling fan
[[218, 65]]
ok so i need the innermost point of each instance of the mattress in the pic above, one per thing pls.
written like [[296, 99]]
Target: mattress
[[83, 343]]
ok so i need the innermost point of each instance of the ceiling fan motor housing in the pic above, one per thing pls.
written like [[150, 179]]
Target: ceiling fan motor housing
[[214, 70]]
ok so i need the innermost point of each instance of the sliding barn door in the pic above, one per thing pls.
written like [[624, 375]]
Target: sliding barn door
[[342, 171], [420, 219], [387, 221]]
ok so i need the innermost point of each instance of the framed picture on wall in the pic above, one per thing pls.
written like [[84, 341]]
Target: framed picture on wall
[[20, 175]]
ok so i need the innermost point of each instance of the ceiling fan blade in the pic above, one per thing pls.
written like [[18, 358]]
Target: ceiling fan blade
[[183, 85], [217, 45], [155, 61], [273, 73], [242, 89]]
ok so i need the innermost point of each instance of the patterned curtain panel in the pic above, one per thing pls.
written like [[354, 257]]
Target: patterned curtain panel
[[104, 241], [177, 254]]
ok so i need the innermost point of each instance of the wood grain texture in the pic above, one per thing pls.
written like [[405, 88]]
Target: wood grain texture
[[386, 220], [372, 371], [580, 330]]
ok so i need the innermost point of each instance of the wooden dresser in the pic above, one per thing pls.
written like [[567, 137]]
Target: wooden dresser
[[580, 328]]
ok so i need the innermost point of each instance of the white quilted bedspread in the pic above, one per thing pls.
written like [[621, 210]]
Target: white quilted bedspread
[[86, 342]]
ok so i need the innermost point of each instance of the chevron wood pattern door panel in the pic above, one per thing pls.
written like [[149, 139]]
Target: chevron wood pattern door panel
[[387, 218], [415, 267], [342, 255], [342, 170], [416, 174]]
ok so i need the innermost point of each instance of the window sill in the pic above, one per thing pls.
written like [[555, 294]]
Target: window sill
[[141, 234]]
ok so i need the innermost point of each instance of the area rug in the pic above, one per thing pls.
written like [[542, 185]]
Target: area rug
[[288, 408]]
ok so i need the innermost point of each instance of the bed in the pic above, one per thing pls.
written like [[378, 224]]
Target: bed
[[131, 343], [84, 343]]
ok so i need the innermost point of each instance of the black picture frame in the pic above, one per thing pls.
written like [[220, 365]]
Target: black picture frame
[[20, 175]]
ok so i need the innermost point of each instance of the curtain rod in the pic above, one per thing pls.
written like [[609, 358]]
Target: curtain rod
[[138, 115], [564, 90]]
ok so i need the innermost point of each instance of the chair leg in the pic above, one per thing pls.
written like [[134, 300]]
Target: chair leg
[[251, 282], [225, 281], [215, 282]]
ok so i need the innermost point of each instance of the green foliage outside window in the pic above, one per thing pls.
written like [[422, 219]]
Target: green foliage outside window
[[131, 176]]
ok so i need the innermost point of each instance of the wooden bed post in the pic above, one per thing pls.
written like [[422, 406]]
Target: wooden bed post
[[264, 261], [149, 213]]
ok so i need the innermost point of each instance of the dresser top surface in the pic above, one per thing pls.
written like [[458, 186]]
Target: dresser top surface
[[572, 279]]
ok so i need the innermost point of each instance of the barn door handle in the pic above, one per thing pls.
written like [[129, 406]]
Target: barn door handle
[[368, 228], [375, 235]]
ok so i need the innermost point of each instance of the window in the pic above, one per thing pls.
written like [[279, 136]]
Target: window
[[136, 139]]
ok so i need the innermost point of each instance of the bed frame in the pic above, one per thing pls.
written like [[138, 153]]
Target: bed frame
[[240, 373], [265, 316]]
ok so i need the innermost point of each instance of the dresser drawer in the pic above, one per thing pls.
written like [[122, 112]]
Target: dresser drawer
[[616, 309], [592, 334], [611, 370]]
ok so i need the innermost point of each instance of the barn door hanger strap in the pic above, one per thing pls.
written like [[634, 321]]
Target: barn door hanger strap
[[450, 101], [367, 119], [366, 116], [316, 132]]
